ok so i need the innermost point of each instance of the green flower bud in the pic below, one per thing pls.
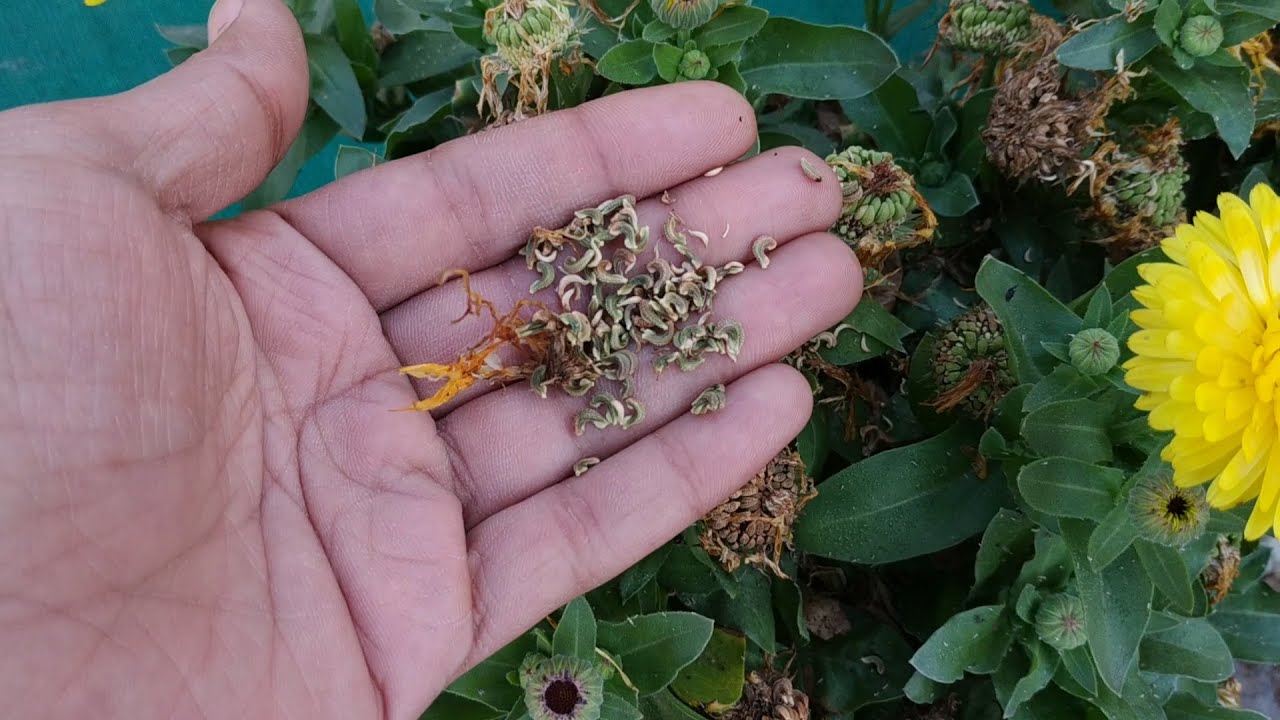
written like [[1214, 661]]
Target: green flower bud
[[684, 14], [694, 65], [1060, 621], [1200, 35], [971, 371], [1165, 513], [1093, 351], [561, 688], [990, 27]]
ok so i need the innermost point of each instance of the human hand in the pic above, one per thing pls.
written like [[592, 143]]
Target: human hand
[[207, 507]]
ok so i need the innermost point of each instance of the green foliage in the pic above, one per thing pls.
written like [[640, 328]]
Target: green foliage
[[988, 559]]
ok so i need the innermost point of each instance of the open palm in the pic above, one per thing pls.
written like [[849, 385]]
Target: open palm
[[207, 505]]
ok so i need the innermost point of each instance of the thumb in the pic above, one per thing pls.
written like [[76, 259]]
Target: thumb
[[207, 132]]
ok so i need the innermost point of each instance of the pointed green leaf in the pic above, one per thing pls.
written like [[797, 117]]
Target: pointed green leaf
[[1167, 569], [353, 33], [486, 683], [815, 62], [629, 63], [1167, 21], [576, 634], [1070, 428], [974, 641], [333, 84], [1191, 647], [666, 57], [1030, 316], [923, 691], [652, 649], [1044, 662], [1186, 707], [953, 198], [934, 502], [1222, 92], [1064, 383], [642, 573], [664, 706], [1108, 44], [1069, 488], [1250, 624], [1099, 312], [453, 707], [1079, 665], [1113, 536], [752, 610], [733, 24], [1009, 538], [715, 678], [892, 116], [424, 54], [351, 159]]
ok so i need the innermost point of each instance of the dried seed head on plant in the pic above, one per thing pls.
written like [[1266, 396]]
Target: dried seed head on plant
[[1038, 128], [1229, 692], [1260, 53], [825, 617], [531, 38], [769, 695], [989, 27], [883, 212], [754, 525], [1223, 569], [971, 372], [1138, 197], [611, 307]]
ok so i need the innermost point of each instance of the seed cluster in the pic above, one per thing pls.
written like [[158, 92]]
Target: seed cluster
[[769, 695], [754, 524], [882, 210], [971, 370], [991, 27]]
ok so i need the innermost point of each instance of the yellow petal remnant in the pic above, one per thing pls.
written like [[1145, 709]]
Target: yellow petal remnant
[[93, 3], [1208, 354]]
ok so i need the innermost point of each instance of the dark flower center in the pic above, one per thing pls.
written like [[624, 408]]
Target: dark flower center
[[561, 696], [1178, 507]]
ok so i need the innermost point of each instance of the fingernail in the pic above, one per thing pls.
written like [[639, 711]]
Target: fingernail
[[224, 13]]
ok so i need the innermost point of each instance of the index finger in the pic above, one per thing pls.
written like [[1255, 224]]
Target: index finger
[[394, 229]]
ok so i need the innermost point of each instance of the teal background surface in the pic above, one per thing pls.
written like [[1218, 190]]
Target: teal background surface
[[60, 49]]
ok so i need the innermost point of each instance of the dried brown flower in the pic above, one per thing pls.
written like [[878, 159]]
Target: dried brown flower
[[769, 695], [825, 617], [1137, 188], [1222, 571], [754, 525]]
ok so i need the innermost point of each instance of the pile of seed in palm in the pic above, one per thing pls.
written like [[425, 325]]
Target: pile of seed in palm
[[617, 296]]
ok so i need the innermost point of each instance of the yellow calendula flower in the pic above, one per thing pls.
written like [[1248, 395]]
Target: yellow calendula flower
[[93, 3], [1208, 354]]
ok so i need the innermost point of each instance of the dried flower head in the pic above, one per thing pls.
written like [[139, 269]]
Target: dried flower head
[[1060, 621], [971, 371], [1166, 513], [1229, 692], [989, 27], [684, 14], [561, 688], [530, 37], [769, 695], [883, 212], [1223, 569], [755, 524], [1138, 193]]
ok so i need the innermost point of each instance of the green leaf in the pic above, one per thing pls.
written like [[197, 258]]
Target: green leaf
[[333, 84], [351, 159], [1030, 316], [715, 678], [1049, 568], [1167, 569], [1222, 92], [814, 443], [1099, 312], [1183, 706], [971, 150], [398, 18], [1063, 383], [424, 54], [658, 31], [1167, 21], [314, 16], [934, 502], [1027, 604], [923, 691], [815, 62], [453, 707], [652, 649], [892, 116], [629, 63], [317, 130], [421, 113], [487, 682], [752, 610], [353, 34], [1070, 428], [953, 198], [1009, 537], [666, 57], [186, 36], [642, 573], [1191, 647], [1044, 662], [1079, 665], [1117, 605], [1250, 624], [974, 641], [1100, 46], [1064, 487], [619, 707], [1113, 536], [733, 24], [872, 319], [576, 634], [665, 706]]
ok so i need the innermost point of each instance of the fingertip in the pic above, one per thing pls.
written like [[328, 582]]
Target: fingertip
[[788, 393]]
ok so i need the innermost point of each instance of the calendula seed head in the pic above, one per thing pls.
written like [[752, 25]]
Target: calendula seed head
[[684, 14], [1060, 621], [694, 64], [1093, 351], [1219, 576], [1200, 35], [971, 371], [880, 203], [989, 27], [769, 695], [754, 525], [1165, 513]]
